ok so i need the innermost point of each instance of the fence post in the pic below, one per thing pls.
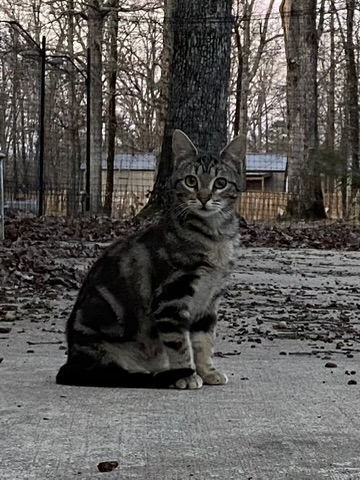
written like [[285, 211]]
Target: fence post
[[2, 197]]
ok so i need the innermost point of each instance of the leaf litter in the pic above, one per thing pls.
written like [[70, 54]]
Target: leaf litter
[[44, 259]]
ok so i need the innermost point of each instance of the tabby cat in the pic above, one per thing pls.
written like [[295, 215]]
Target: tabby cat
[[146, 313]]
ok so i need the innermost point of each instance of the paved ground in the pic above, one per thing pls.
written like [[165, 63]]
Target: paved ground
[[283, 415]]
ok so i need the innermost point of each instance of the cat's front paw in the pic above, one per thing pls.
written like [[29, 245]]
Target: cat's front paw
[[192, 382], [215, 378]]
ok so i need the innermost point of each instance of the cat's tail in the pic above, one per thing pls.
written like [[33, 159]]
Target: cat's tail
[[101, 376], [114, 376]]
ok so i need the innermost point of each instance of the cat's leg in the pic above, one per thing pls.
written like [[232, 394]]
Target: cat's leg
[[171, 315], [202, 340], [173, 328]]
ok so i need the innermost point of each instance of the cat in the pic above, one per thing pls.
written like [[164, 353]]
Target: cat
[[147, 311]]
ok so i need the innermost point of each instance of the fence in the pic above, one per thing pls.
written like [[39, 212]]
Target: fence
[[269, 206], [127, 202]]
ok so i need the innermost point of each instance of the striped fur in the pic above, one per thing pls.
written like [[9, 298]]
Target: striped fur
[[146, 313]]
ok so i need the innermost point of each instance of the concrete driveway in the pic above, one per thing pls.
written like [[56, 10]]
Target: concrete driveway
[[289, 339]]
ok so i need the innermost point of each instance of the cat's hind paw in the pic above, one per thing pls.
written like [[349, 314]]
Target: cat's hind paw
[[192, 382], [215, 378]]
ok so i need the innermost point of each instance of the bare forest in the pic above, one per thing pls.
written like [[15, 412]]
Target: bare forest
[[90, 93]]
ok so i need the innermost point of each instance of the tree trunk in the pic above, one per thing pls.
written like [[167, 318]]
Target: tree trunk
[[24, 162], [239, 76], [14, 113], [242, 100], [73, 159], [242, 91], [166, 54], [3, 105], [95, 38], [261, 102], [330, 114], [111, 135], [353, 99], [343, 147], [301, 45], [199, 78], [330, 118]]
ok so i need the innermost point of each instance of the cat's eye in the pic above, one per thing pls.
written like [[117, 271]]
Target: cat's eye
[[220, 183], [190, 181]]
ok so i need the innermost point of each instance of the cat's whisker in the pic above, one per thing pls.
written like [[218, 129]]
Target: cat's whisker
[[180, 209]]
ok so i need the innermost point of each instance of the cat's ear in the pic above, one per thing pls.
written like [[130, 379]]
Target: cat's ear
[[231, 153], [182, 146]]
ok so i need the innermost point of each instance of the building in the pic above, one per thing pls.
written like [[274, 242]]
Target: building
[[134, 175], [133, 172], [266, 172]]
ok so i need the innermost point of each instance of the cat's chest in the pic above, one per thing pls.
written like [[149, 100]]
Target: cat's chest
[[212, 281], [221, 253]]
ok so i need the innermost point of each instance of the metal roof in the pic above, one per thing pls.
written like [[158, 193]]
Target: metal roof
[[130, 161], [133, 161], [266, 162], [255, 162]]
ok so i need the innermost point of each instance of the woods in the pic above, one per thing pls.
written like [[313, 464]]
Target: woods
[[282, 76]]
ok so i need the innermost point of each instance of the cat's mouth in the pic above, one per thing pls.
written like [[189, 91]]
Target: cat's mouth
[[203, 209], [206, 209]]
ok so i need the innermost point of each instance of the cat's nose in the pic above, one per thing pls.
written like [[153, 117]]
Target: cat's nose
[[204, 197]]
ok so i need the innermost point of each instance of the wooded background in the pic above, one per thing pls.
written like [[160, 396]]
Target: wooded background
[[282, 76]]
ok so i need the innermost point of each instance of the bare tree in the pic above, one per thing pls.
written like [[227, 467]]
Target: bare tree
[[111, 128], [248, 64], [353, 98], [142, 83], [73, 180], [199, 78], [301, 45], [96, 13]]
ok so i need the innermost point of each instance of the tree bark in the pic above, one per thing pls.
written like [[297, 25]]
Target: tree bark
[[199, 78], [166, 55], [330, 113], [301, 46], [95, 38], [353, 99], [14, 112], [343, 147], [330, 117], [111, 135], [73, 181], [24, 163]]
